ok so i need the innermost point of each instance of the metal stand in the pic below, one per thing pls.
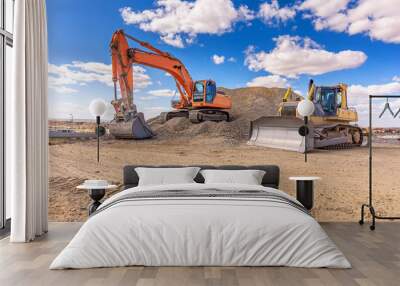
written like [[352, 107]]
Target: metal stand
[[98, 137], [304, 131], [305, 138], [370, 203]]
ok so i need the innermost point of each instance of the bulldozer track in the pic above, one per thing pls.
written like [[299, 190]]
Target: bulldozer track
[[340, 146], [352, 130]]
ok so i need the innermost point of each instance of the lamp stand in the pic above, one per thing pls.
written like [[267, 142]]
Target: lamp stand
[[305, 138], [98, 138]]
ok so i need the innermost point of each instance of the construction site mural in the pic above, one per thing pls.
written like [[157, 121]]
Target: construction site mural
[[219, 89]]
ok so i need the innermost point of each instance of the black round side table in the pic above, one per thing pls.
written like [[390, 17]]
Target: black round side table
[[96, 193], [305, 190]]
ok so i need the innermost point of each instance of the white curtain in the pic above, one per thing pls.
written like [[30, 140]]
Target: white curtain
[[26, 123]]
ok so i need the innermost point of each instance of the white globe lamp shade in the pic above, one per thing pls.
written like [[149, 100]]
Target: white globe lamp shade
[[97, 107], [305, 108]]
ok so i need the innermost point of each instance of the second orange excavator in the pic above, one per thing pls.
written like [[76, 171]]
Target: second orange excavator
[[199, 100]]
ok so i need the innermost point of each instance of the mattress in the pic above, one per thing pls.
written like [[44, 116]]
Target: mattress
[[201, 225]]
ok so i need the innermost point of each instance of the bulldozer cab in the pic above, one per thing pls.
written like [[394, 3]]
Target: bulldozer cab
[[204, 91], [328, 100]]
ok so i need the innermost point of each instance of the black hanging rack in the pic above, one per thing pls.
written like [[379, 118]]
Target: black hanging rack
[[370, 202]]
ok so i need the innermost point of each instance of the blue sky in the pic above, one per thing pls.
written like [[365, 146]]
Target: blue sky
[[269, 43]]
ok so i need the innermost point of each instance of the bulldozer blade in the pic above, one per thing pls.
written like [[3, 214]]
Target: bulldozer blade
[[135, 128], [280, 133]]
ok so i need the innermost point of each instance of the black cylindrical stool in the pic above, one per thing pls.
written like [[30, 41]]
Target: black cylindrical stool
[[305, 190]]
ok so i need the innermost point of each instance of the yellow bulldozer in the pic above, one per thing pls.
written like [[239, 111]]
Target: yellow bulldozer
[[332, 125]]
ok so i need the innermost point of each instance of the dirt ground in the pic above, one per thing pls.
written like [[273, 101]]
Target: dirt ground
[[338, 196]]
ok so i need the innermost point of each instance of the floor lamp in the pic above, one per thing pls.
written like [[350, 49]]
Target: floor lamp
[[305, 108], [97, 108]]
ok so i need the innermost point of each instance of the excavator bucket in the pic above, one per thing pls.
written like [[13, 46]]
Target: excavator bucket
[[280, 133], [135, 128]]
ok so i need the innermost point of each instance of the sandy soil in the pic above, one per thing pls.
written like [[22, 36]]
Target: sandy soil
[[338, 196]]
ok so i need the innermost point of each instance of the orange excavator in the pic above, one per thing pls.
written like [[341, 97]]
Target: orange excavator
[[199, 100]]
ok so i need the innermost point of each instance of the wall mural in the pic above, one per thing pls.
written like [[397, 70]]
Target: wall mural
[[182, 89]]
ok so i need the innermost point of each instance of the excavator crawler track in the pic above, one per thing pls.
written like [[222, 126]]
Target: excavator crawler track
[[197, 116], [165, 116]]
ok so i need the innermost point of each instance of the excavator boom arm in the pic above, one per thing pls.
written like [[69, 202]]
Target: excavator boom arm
[[170, 65], [123, 57], [121, 69]]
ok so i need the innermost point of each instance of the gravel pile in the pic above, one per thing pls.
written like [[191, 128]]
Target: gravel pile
[[248, 104]]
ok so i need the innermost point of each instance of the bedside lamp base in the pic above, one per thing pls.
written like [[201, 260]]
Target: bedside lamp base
[[96, 195]]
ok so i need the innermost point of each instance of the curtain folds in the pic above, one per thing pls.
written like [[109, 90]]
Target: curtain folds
[[26, 124]]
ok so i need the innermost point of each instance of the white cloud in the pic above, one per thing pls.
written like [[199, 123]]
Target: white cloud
[[157, 108], [63, 77], [299, 92], [153, 111], [148, 98], [358, 98], [178, 21], [359, 93], [79, 72], [231, 59], [63, 89], [62, 109], [294, 56], [380, 20], [173, 40], [396, 78], [140, 78], [268, 81], [162, 92], [90, 67], [245, 14], [271, 12], [323, 8], [218, 59]]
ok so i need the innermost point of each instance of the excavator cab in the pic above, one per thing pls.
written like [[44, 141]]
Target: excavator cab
[[208, 104], [205, 95], [198, 94], [211, 91], [204, 91]]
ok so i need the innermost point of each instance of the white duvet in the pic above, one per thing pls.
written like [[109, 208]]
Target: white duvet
[[200, 231]]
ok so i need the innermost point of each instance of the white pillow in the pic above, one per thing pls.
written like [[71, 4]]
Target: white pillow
[[166, 176], [248, 177]]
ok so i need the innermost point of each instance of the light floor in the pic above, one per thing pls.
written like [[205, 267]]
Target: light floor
[[375, 257]]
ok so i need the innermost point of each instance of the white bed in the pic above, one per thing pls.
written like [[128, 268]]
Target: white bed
[[185, 230]]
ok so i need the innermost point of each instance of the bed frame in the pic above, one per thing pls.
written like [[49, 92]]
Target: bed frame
[[270, 179]]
